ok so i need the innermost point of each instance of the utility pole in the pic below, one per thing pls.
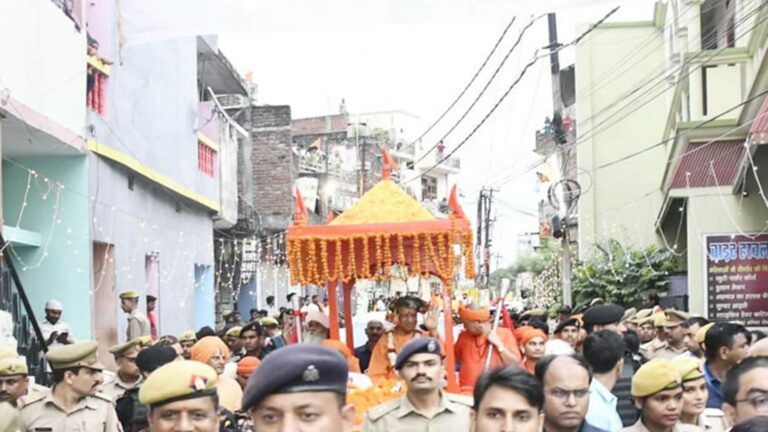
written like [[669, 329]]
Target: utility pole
[[565, 207], [484, 221]]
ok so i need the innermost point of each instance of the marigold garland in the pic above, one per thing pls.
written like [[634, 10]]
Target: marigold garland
[[400, 251], [339, 261], [352, 262], [379, 264], [387, 254], [324, 258], [366, 270], [416, 256]]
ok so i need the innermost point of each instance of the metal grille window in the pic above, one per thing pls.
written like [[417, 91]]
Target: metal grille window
[[206, 159]]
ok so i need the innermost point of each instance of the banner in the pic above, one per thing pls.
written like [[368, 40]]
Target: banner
[[736, 275]]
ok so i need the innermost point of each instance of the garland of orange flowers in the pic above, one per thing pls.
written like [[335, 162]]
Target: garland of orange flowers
[[338, 261], [379, 259], [366, 270], [382, 392], [309, 262], [387, 255]]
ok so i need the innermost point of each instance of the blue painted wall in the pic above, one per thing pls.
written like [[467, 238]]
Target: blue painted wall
[[246, 299], [204, 297], [65, 272]]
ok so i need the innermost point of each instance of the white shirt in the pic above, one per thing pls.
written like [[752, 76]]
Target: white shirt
[[310, 308], [61, 327]]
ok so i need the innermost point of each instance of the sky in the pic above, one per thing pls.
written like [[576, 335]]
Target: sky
[[416, 56]]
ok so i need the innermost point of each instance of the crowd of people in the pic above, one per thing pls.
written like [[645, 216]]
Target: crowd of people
[[605, 368]]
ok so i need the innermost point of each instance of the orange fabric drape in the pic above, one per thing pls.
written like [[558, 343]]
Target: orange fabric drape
[[471, 352]]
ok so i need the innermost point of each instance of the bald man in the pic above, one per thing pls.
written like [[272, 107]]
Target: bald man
[[758, 349]]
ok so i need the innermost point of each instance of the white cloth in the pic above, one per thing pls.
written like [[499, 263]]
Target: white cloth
[[310, 308], [61, 327]]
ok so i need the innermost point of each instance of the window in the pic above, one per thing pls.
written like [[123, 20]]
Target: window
[[206, 159], [428, 188]]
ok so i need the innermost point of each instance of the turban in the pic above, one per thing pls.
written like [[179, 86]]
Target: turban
[[474, 315], [319, 318], [531, 333], [247, 365], [204, 349]]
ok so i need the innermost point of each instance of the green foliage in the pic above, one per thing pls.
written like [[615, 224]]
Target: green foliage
[[534, 263], [621, 274]]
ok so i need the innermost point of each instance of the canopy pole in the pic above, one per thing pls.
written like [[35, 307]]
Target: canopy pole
[[349, 329], [333, 305], [450, 358]]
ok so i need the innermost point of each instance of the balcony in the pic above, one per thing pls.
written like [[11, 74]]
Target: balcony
[[451, 165], [403, 151]]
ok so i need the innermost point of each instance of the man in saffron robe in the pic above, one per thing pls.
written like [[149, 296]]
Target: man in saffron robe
[[406, 311], [476, 340]]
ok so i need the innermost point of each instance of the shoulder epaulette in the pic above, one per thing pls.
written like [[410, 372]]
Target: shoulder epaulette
[[460, 399], [380, 411]]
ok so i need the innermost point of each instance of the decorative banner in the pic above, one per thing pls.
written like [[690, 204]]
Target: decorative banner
[[249, 260], [737, 274], [308, 188]]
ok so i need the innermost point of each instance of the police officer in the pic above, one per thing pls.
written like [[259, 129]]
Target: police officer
[[674, 342], [13, 380], [131, 413], [658, 394], [128, 375], [138, 324], [300, 388], [9, 418], [695, 395], [425, 406], [181, 396], [187, 340], [73, 403]]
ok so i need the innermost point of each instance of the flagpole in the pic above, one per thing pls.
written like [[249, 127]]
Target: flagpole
[[504, 288]]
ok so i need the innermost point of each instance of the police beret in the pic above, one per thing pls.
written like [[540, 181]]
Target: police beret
[[675, 317], [644, 313], [701, 333], [653, 377], [533, 313], [78, 354], [119, 349], [269, 322], [294, 369], [420, 345], [10, 366], [629, 314], [603, 314], [177, 381], [234, 331], [689, 368], [155, 356], [131, 294], [570, 322], [188, 336]]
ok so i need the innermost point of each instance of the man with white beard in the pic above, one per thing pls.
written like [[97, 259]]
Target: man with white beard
[[317, 332], [316, 329]]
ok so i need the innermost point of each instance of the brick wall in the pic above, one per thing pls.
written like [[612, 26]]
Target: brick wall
[[323, 124], [274, 165]]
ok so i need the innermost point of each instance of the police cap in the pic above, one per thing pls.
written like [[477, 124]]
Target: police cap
[[296, 369], [422, 345]]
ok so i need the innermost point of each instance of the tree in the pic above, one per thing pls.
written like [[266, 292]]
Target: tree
[[622, 274]]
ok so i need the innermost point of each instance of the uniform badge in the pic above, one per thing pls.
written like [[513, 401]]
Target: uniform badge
[[11, 368], [432, 346], [311, 374], [197, 382]]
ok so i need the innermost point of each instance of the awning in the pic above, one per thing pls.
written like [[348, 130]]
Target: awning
[[724, 156]]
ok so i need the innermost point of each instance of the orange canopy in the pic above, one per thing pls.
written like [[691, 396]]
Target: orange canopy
[[385, 227]]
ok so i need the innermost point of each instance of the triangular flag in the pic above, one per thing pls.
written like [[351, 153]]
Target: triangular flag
[[453, 203], [300, 215], [388, 164]]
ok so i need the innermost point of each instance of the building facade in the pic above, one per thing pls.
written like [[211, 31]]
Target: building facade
[[671, 138]]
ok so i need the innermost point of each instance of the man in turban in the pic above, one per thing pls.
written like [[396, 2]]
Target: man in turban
[[406, 310], [212, 351], [476, 340], [533, 342]]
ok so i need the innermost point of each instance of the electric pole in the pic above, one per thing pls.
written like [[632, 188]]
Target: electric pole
[[484, 222], [565, 207]]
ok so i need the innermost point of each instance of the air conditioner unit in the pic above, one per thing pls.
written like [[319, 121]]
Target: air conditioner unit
[[233, 101]]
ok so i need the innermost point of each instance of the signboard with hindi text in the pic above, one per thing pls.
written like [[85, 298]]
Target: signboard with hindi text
[[737, 278]]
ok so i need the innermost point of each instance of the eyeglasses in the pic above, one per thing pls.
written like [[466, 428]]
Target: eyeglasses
[[759, 402], [565, 394]]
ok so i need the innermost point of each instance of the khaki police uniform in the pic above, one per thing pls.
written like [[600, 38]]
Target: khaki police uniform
[[9, 418], [667, 352], [115, 387], [400, 415], [713, 420], [41, 412], [138, 324]]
